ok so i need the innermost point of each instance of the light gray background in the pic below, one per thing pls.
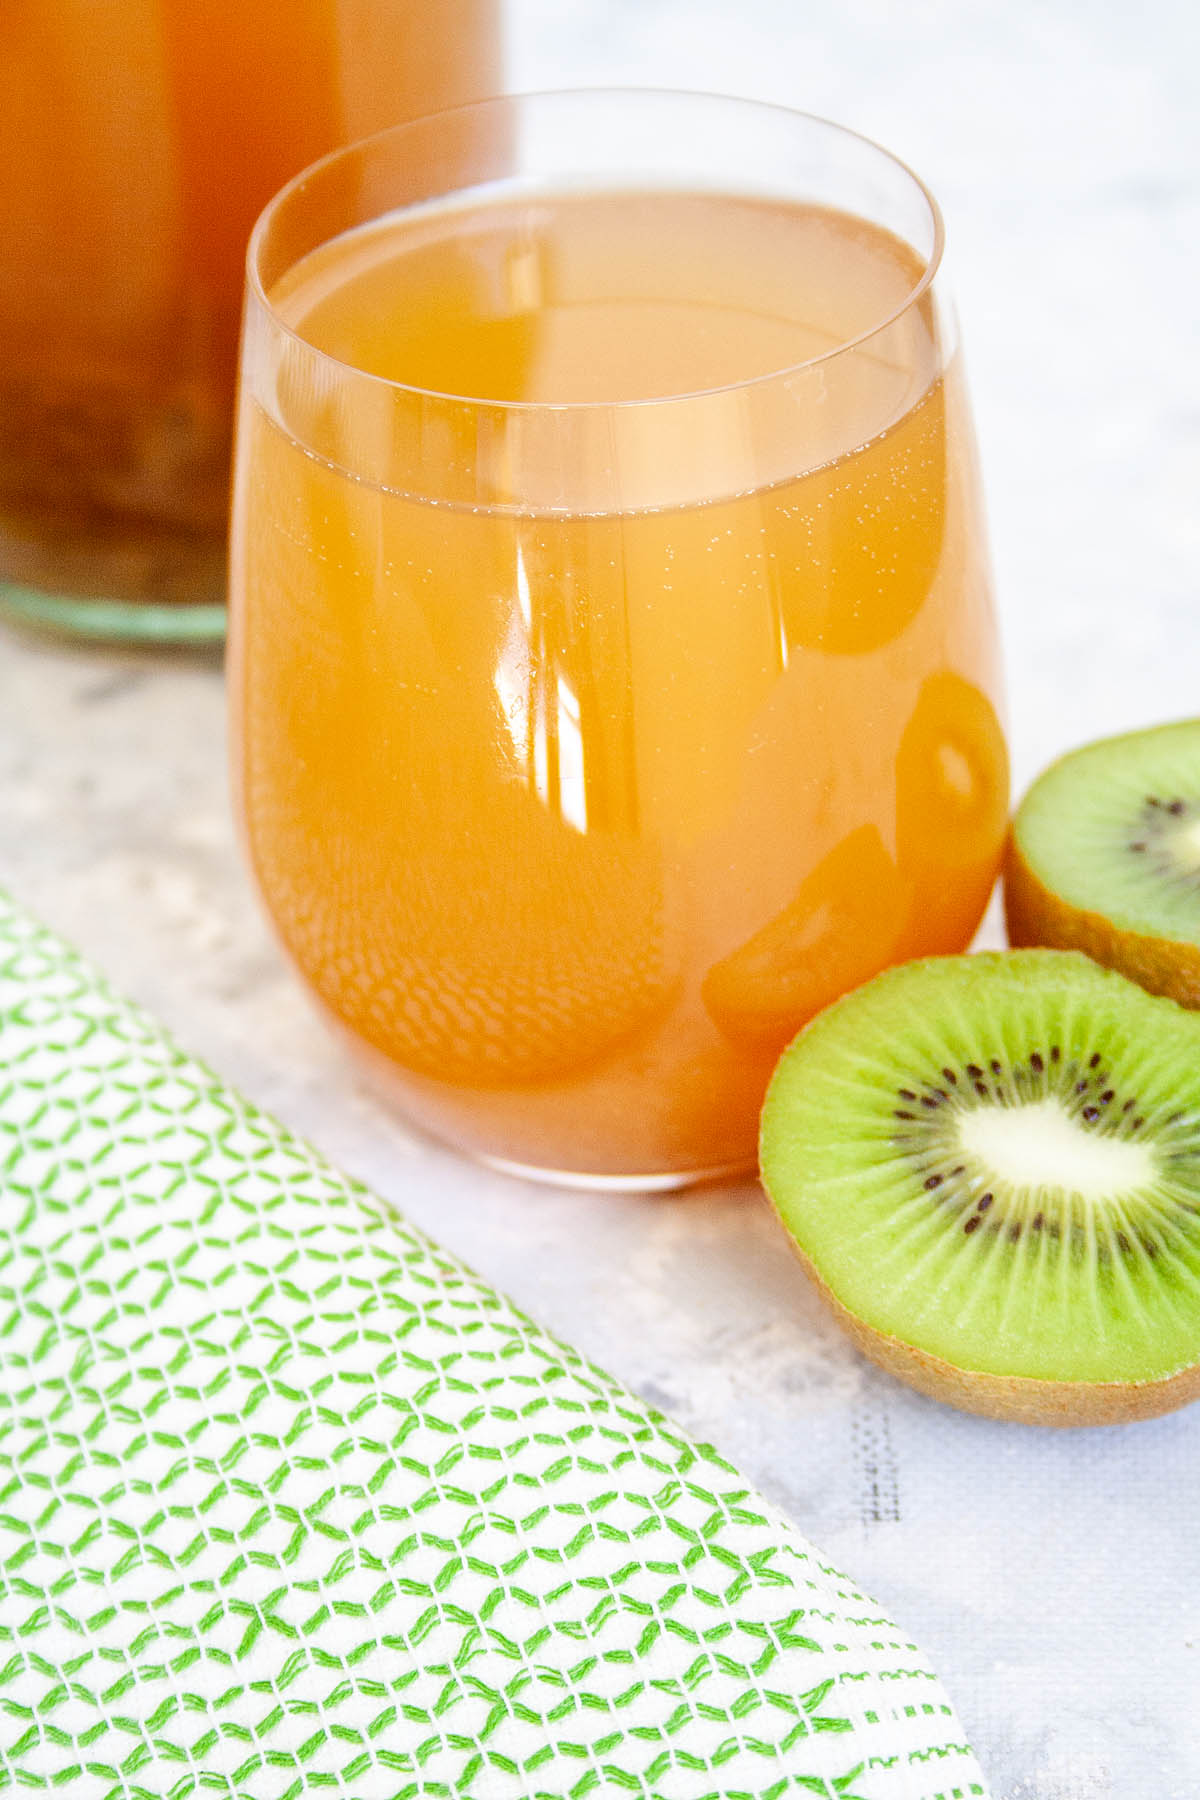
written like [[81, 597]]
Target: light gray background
[[1055, 1579]]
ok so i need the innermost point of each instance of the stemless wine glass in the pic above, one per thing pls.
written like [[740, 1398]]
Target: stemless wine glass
[[613, 657]]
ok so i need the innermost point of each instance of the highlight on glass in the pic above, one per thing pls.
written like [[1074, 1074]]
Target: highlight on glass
[[614, 666]]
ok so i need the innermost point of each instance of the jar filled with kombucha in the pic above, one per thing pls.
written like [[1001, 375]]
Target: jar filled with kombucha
[[138, 142]]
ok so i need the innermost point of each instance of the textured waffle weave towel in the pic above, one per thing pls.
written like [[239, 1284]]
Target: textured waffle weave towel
[[290, 1502]]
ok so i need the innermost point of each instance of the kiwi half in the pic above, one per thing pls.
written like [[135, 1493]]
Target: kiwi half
[[991, 1166], [1105, 857]]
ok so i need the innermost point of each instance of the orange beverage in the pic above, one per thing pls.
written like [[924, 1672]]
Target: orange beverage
[[596, 732], [139, 139]]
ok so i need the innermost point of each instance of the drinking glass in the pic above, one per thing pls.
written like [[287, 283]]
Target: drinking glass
[[613, 661], [139, 140]]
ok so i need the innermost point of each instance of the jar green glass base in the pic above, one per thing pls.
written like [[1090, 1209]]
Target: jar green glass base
[[113, 621], [145, 585]]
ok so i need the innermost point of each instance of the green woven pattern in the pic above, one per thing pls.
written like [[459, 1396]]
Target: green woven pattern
[[291, 1503]]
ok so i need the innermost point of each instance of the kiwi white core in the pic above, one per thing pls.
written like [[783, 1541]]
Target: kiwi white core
[[1186, 845], [1040, 1145]]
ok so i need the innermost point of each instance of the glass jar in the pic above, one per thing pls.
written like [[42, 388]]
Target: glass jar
[[138, 142]]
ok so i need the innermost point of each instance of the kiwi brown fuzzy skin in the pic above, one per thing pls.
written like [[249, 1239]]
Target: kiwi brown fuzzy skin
[[1020, 1399], [1035, 916]]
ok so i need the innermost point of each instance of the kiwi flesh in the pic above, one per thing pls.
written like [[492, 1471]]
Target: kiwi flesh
[[1104, 857], [991, 1166]]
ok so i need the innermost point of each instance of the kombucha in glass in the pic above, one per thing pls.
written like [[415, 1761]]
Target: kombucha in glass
[[575, 783]]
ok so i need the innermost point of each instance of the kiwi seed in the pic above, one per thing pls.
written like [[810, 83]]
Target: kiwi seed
[[1105, 857], [991, 1165]]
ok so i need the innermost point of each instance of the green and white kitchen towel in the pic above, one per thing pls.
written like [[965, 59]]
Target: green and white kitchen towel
[[290, 1502]]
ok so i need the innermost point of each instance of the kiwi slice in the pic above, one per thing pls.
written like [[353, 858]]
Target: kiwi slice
[[1105, 857], [991, 1166]]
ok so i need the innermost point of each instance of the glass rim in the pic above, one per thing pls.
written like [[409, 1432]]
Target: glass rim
[[257, 292]]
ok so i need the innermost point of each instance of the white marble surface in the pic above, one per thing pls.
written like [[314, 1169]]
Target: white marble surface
[[1054, 1578]]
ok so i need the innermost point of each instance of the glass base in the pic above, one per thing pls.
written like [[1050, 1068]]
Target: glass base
[[115, 581], [581, 1181], [421, 1106], [113, 621]]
